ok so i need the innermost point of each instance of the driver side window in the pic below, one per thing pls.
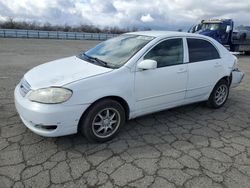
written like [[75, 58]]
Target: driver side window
[[167, 53]]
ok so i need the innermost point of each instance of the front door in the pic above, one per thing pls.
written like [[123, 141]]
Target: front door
[[164, 86]]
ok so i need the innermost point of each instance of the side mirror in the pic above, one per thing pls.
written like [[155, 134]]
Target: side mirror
[[147, 64], [228, 29], [196, 28]]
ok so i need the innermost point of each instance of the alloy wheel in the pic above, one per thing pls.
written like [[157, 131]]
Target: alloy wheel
[[106, 122], [221, 94]]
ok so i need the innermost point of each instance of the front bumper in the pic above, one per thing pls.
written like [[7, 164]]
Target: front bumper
[[237, 77], [50, 120]]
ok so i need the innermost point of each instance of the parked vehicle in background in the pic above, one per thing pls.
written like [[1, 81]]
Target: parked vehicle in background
[[122, 78], [222, 30]]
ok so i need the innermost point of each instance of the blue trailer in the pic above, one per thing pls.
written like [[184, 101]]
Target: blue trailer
[[222, 30]]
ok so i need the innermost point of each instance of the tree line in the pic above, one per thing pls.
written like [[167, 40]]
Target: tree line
[[11, 24]]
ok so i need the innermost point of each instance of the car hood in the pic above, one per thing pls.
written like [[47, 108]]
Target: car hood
[[62, 71]]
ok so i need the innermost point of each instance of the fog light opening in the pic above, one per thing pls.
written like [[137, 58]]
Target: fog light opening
[[46, 127]]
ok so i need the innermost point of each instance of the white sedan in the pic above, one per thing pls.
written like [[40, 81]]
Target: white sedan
[[122, 78]]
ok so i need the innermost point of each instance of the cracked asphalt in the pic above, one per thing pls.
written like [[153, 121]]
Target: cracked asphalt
[[189, 146]]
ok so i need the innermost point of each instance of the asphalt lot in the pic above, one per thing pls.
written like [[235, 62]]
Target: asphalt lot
[[190, 146]]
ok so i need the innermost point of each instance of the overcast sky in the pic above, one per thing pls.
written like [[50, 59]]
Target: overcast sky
[[155, 14]]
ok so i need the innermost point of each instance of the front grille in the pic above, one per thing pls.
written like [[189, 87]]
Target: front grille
[[24, 87]]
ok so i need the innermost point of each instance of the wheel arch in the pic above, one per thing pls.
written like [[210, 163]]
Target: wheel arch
[[227, 78], [118, 99]]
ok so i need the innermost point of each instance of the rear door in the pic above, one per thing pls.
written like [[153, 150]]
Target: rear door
[[205, 68]]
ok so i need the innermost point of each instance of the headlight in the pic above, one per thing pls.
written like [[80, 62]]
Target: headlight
[[50, 95]]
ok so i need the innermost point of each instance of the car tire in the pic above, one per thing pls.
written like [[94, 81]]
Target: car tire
[[219, 95], [102, 121]]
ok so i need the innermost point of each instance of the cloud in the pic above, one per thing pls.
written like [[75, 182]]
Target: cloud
[[159, 14], [147, 18]]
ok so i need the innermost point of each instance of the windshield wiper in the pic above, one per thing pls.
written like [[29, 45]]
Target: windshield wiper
[[95, 59]]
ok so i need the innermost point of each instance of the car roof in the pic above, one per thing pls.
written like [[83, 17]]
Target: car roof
[[165, 34]]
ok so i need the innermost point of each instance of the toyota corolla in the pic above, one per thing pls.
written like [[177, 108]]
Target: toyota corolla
[[122, 78]]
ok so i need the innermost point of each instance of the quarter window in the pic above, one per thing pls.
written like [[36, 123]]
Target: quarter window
[[166, 53], [201, 50]]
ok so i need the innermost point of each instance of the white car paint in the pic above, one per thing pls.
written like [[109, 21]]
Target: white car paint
[[62, 71], [144, 91]]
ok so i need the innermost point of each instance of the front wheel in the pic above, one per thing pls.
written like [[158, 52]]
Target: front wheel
[[219, 95], [103, 121]]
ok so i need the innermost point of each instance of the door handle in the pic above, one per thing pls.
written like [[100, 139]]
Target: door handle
[[217, 65], [182, 70]]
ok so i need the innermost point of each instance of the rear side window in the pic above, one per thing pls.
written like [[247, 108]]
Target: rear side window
[[201, 50]]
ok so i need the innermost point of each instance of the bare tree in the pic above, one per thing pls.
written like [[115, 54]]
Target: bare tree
[[11, 24]]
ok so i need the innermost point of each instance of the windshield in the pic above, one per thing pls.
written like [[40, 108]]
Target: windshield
[[117, 51], [211, 26]]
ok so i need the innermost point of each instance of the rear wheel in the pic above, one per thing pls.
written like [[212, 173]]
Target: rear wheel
[[219, 95], [103, 121]]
